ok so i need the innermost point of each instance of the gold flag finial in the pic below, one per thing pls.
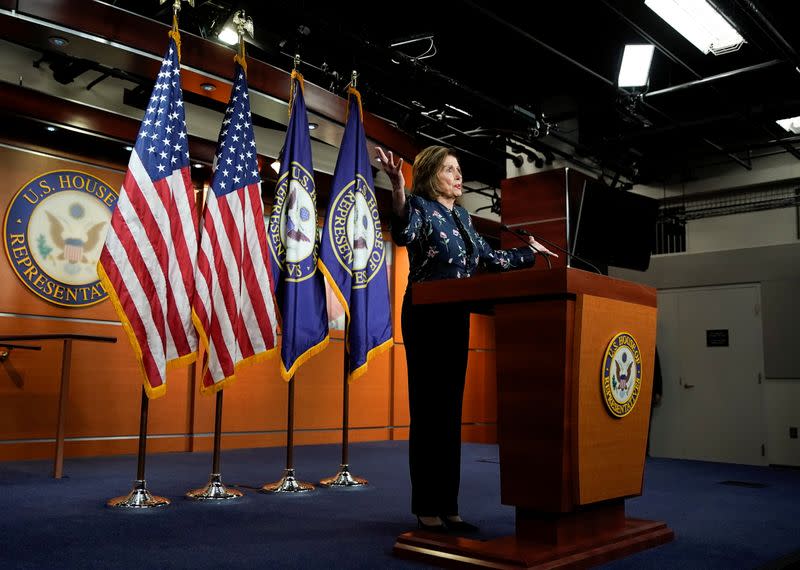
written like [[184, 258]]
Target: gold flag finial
[[174, 33], [244, 25]]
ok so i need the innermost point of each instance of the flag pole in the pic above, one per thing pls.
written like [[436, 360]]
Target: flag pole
[[344, 478], [140, 497], [288, 483], [215, 490]]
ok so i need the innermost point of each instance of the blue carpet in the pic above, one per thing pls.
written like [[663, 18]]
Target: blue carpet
[[49, 523]]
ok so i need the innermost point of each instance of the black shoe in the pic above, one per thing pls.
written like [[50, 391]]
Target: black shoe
[[431, 527], [459, 526]]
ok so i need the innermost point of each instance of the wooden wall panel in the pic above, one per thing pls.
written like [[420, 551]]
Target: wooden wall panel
[[400, 393], [370, 395], [481, 332], [255, 401], [480, 391], [399, 282]]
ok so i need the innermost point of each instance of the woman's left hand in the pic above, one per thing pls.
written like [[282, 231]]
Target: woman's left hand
[[539, 248]]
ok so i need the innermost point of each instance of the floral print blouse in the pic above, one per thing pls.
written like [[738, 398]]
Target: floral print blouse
[[442, 243]]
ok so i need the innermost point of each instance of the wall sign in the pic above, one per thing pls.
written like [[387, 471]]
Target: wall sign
[[54, 230], [717, 337]]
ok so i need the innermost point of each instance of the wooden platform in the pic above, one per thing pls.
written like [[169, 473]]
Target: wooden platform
[[511, 552]]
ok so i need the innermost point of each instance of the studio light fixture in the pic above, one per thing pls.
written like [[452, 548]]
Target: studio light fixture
[[700, 23], [635, 68], [791, 125], [228, 35]]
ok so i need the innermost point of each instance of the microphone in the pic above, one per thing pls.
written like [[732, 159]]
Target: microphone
[[526, 242], [523, 232]]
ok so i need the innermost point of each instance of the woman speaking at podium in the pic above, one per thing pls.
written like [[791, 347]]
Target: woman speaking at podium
[[442, 244]]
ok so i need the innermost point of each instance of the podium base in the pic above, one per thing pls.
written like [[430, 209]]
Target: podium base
[[287, 484], [513, 552], [138, 498], [215, 490], [344, 479]]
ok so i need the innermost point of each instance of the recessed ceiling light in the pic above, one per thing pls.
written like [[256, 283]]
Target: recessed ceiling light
[[129, 148], [51, 128], [208, 86], [58, 41], [198, 165], [312, 126]]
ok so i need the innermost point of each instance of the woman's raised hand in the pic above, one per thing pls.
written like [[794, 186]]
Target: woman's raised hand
[[392, 169]]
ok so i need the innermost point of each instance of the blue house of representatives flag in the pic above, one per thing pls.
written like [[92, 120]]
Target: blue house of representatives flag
[[292, 240], [353, 255]]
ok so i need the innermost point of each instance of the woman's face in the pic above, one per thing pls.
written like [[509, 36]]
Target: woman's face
[[448, 179]]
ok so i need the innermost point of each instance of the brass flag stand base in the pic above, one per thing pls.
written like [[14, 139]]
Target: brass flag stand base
[[215, 490], [344, 479], [138, 498], [287, 484]]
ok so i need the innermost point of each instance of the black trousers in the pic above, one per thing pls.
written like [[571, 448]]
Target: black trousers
[[436, 340]]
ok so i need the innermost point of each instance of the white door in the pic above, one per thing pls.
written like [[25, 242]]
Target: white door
[[710, 346]]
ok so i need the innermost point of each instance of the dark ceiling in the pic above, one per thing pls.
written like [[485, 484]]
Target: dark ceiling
[[539, 76]]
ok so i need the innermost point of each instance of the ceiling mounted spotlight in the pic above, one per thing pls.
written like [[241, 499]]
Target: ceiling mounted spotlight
[[312, 126], [208, 87], [635, 68], [228, 36]]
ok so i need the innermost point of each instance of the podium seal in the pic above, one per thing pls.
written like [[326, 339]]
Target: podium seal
[[621, 374]]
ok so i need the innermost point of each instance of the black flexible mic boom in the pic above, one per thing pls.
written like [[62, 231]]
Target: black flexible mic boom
[[526, 242], [523, 232]]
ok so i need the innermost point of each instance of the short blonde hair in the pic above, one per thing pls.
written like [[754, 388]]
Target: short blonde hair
[[426, 168]]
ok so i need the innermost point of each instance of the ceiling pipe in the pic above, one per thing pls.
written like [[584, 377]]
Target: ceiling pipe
[[711, 78], [594, 74], [766, 26]]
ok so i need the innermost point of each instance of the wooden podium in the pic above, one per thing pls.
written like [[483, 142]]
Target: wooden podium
[[566, 463]]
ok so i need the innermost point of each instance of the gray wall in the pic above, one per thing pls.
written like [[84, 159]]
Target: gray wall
[[777, 268]]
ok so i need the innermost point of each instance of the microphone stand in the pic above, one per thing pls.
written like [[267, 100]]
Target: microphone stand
[[523, 232], [526, 242]]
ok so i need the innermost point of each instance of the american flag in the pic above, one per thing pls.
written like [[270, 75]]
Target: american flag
[[234, 309], [148, 261]]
